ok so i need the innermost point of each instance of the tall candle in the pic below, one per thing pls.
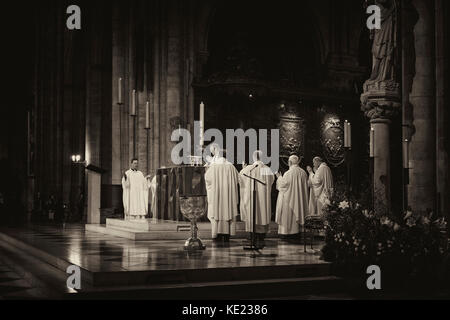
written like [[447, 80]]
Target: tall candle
[[406, 154], [119, 92], [349, 132], [346, 145], [202, 123], [372, 142], [133, 103], [147, 115]]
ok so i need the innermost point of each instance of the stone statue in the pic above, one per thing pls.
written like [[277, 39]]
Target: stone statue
[[385, 43], [381, 97]]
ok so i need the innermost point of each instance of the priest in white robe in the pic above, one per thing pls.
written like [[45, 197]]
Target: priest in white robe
[[292, 202], [263, 212], [135, 192], [321, 186], [221, 180]]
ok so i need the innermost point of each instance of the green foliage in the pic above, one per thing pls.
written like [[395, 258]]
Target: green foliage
[[357, 237]]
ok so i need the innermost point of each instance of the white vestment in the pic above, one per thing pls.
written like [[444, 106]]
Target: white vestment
[[292, 202], [321, 183], [221, 180], [135, 194], [263, 212]]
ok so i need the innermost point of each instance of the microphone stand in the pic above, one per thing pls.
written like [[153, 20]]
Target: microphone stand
[[253, 235]]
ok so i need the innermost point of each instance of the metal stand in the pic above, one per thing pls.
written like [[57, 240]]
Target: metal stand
[[134, 117], [253, 234], [405, 189], [348, 153]]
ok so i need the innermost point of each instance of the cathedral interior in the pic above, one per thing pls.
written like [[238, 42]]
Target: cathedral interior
[[304, 67]]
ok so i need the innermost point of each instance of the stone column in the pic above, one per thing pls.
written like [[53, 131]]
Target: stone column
[[382, 166], [422, 188], [442, 115]]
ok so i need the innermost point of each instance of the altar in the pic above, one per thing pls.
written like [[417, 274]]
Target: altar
[[173, 183]]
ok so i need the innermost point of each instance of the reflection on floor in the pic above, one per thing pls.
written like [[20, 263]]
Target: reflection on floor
[[162, 268], [13, 286], [97, 252]]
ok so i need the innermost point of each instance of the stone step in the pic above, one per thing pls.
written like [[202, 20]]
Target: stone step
[[164, 230], [51, 282], [230, 290]]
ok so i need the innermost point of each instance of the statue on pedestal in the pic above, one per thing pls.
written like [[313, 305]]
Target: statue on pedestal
[[381, 97]]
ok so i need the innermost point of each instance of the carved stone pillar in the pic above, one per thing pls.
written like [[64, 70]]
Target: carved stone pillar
[[380, 106]]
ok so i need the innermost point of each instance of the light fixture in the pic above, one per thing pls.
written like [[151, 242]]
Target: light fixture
[[76, 159]]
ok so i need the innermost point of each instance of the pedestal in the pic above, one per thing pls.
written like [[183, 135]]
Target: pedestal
[[94, 184]]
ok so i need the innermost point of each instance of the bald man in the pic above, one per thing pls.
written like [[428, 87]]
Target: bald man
[[292, 202], [221, 180], [321, 183], [263, 208]]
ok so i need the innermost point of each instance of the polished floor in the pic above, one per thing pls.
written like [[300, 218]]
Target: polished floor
[[14, 286], [101, 253]]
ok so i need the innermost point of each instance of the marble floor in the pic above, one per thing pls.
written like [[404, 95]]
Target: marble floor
[[102, 253], [13, 286]]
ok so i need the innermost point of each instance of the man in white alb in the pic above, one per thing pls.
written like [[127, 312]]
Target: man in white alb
[[321, 186], [135, 192], [292, 202], [221, 180], [263, 208]]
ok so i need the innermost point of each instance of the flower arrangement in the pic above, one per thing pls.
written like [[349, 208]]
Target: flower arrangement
[[356, 237]]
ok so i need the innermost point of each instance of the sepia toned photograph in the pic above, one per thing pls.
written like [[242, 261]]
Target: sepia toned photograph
[[239, 151]]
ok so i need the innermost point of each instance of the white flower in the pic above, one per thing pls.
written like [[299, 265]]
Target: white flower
[[385, 221], [396, 227], [408, 214], [344, 205], [411, 222], [425, 220]]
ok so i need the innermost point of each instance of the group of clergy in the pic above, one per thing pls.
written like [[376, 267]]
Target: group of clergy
[[300, 194]]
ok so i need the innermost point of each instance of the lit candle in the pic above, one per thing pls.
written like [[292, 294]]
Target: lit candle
[[133, 103], [372, 142], [406, 154], [202, 123], [119, 92], [147, 115]]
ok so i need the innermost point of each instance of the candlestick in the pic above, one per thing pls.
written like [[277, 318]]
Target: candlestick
[[133, 103], [202, 123], [406, 154], [147, 115], [119, 92], [372, 142]]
